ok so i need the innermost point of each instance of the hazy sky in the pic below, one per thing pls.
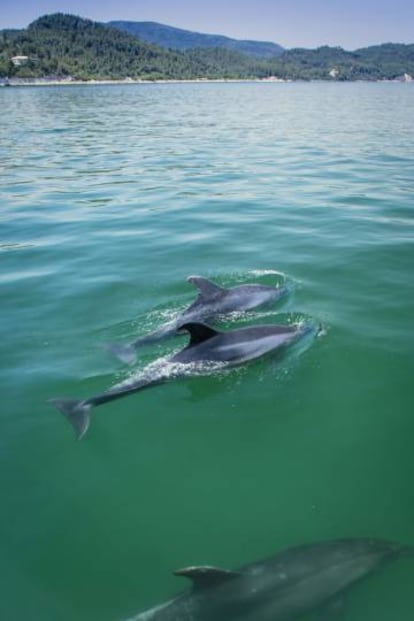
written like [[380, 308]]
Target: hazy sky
[[292, 23]]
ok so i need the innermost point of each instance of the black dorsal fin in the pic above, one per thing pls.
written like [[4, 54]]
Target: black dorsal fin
[[206, 288], [199, 332], [206, 576]]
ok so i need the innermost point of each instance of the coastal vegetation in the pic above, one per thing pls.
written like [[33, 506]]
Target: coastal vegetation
[[65, 46]]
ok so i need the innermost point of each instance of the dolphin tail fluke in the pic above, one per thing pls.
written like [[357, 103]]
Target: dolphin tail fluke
[[77, 412], [125, 353]]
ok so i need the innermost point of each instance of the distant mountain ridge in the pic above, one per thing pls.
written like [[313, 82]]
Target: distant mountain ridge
[[179, 39]]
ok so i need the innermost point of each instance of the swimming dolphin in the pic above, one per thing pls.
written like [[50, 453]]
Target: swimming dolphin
[[212, 301], [280, 588], [207, 350]]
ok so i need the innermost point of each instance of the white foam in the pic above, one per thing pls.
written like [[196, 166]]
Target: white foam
[[266, 272], [164, 369]]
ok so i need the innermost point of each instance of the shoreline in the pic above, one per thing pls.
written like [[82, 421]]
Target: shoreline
[[19, 82], [71, 82]]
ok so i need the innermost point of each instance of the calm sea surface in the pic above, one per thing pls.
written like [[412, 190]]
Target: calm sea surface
[[110, 196]]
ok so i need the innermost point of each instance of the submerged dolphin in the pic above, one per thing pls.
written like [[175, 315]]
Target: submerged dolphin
[[212, 301], [207, 349], [283, 587]]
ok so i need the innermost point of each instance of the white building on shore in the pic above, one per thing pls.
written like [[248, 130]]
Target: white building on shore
[[19, 60]]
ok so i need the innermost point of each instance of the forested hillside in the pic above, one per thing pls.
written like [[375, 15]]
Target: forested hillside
[[65, 45]]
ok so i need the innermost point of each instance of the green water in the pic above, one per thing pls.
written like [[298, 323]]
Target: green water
[[110, 196]]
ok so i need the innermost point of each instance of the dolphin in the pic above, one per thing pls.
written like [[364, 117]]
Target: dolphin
[[282, 587], [207, 350], [211, 302]]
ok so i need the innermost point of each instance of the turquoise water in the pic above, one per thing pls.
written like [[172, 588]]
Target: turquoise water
[[110, 196]]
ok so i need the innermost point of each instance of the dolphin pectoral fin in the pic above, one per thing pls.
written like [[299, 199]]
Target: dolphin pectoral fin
[[77, 412], [125, 353], [333, 609], [199, 332], [205, 287], [206, 576]]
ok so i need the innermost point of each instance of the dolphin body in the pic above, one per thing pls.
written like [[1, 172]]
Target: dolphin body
[[283, 587], [208, 349], [212, 301]]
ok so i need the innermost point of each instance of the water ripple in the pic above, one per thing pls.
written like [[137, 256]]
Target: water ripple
[[110, 196]]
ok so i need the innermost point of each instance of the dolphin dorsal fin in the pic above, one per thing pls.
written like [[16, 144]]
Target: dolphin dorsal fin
[[206, 576], [206, 288], [199, 332]]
